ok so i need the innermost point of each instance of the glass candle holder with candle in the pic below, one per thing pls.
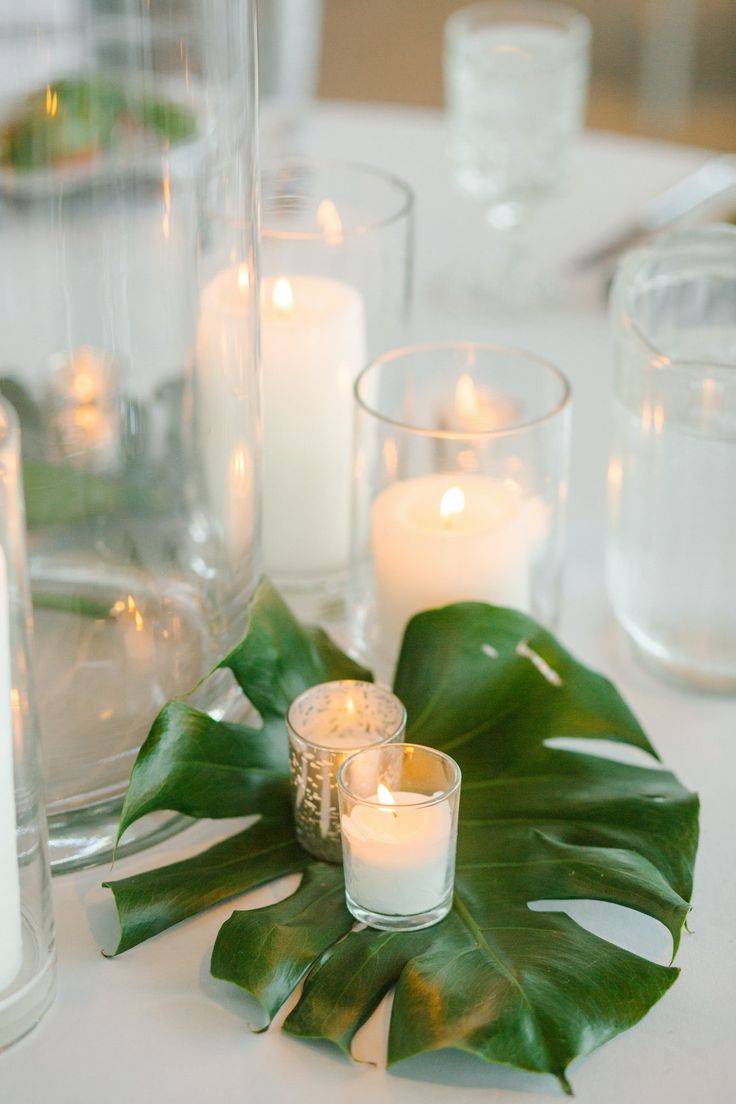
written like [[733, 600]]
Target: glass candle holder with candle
[[398, 815], [27, 955], [128, 314], [327, 723], [460, 481], [336, 255]]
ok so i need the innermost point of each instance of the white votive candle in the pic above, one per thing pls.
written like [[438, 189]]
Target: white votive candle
[[446, 538], [397, 852], [11, 947], [312, 348]]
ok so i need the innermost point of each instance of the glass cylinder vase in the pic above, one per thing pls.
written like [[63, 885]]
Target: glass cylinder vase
[[336, 254], [27, 954], [127, 345], [672, 520], [460, 483]]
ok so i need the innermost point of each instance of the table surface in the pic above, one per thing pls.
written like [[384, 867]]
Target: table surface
[[153, 1025]]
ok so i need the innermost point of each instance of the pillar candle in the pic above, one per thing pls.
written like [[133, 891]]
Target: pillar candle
[[447, 538], [312, 348], [10, 917]]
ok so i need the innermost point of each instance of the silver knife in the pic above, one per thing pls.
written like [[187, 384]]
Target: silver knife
[[713, 179]]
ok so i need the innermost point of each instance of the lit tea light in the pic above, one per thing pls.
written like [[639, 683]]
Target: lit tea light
[[448, 538], [83, 419], [327, 723], [399, 843]]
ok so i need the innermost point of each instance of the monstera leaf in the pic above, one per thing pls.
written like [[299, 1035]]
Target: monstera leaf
[[511, 984]]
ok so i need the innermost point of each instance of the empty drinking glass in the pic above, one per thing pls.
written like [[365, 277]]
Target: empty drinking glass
[[672, 471], [515, 86]]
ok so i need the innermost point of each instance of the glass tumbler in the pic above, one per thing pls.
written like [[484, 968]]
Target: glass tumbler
[[326, 724], [27, 954], [398, 815], [128, 320], [460, 482], [672, 470], [336, 259], [516, 74]]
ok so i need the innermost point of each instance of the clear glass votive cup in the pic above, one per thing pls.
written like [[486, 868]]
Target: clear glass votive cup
[[27, 952], [327, 723], [398, 816], [336, 260], [672, 469], [459, 488]]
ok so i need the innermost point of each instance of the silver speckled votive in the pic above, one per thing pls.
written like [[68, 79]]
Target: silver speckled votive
[[326, 724]]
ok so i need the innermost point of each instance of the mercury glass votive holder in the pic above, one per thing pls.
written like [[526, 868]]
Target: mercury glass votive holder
[[398, 814], [326, 724]]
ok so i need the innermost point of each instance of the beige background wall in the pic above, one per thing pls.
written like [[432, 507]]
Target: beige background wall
[[391, 51]]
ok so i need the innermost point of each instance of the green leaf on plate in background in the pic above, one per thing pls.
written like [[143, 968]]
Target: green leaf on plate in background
[[524, 987]]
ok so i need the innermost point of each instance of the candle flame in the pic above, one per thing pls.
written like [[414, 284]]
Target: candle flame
[[330, 222], [52, 102], [244, 278], [283, 296], [350, 706], [452, 504], [384, 795], [466, 396]]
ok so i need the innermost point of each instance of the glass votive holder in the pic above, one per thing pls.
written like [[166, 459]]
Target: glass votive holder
[[460, 482], [326, 724], [398, 815], [336, 256], [672, 468], [27, 955]]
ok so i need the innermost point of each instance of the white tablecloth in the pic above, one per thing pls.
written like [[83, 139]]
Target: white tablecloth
[[153, 1026]]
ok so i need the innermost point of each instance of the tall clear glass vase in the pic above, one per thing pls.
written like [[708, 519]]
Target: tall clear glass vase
[[128, 348]]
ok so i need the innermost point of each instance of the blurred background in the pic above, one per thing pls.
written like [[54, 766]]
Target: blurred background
[[661, 68]]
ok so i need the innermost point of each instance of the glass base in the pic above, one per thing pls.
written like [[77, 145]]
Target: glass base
[[680, 672], [33, 990], [87, 836], [414, 922]]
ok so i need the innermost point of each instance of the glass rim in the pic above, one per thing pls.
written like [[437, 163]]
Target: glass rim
[[434, 752], [437, 433], [633, 263], [351, 750], [360, 168], [562, 15]]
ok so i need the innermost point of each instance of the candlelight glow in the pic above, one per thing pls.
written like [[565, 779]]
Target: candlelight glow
[[283, 296], [330, 222], [52, 102], [244, 279], [466, 397], [384, 795], [452, 504], [350, 706]]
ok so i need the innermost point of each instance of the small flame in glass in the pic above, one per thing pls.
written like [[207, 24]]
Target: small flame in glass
[[452, 504], [283, 296], [330, 222], [384, 795], [52, 102], [466, 397]]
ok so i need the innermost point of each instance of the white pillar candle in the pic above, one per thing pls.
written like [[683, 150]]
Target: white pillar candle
[[398, 852], [451, 537], [11, 946], [312, 348]]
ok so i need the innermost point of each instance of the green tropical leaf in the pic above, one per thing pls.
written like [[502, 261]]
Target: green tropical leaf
[[149, 903], [524, 987], [268, 951]]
